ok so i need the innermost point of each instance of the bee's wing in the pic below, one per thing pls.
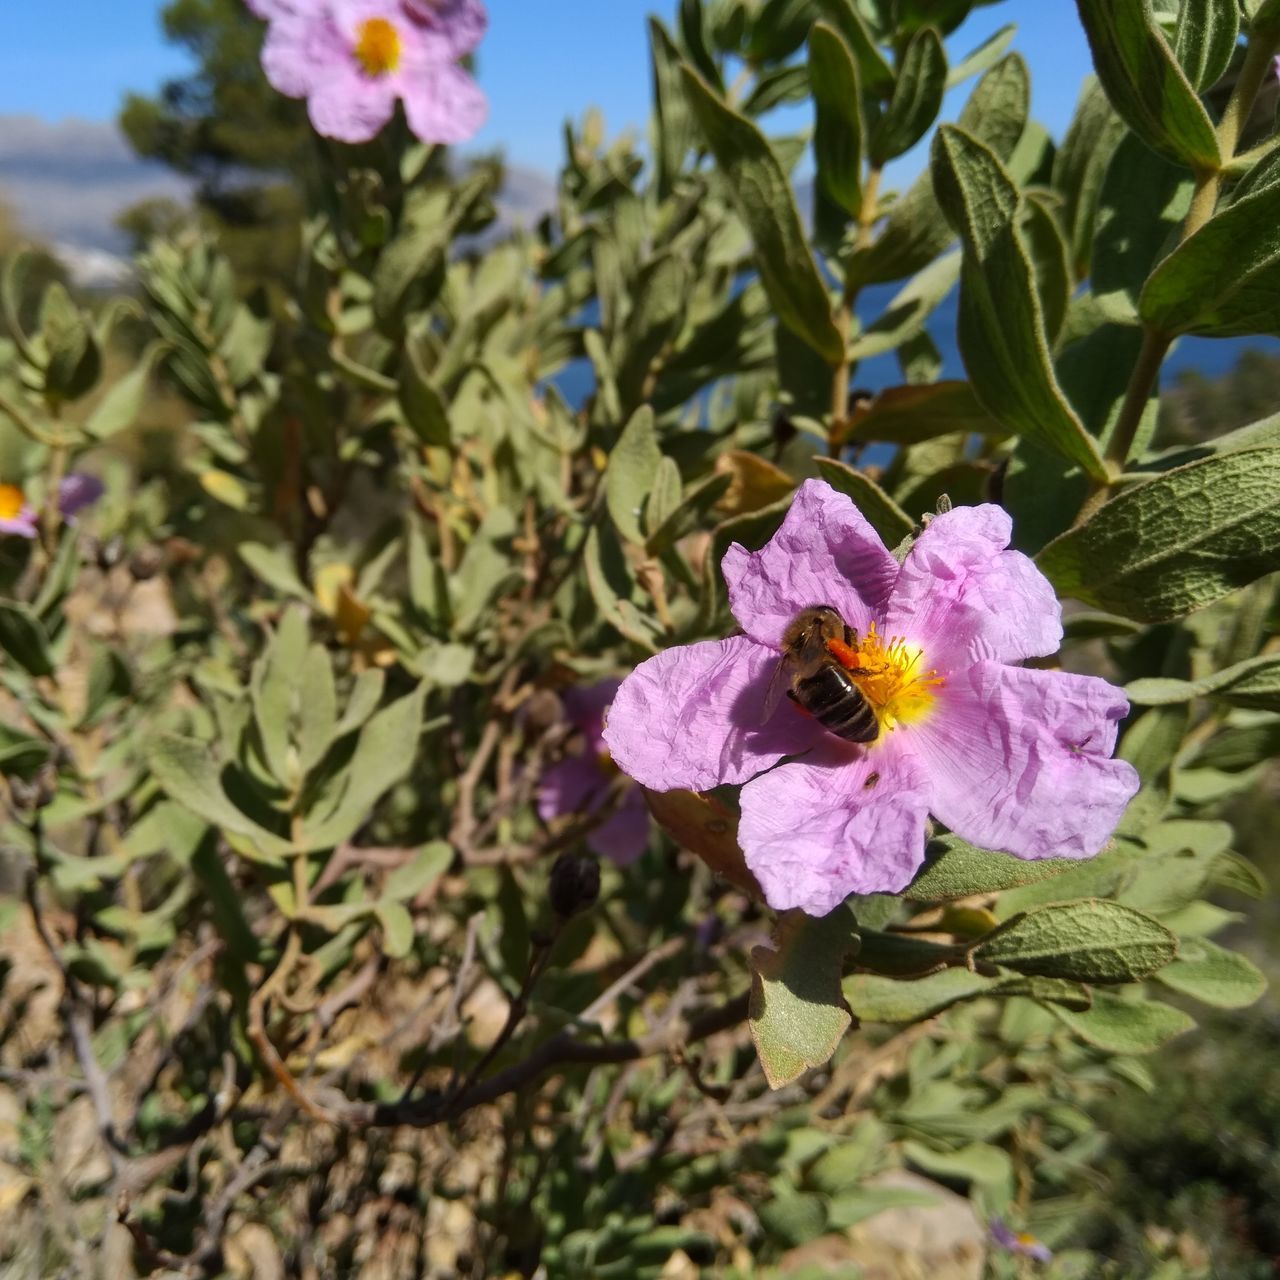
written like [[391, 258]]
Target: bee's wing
[[779, 682]]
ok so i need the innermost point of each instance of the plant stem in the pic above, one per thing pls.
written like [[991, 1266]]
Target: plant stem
[[1155, 345]]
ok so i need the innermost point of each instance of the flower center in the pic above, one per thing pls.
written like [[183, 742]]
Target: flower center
[[895, 680], [378, 47], [11, 501]]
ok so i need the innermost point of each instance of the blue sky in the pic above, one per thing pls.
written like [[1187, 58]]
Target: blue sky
[[543, 60]]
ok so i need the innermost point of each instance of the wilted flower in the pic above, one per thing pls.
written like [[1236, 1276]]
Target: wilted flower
[[579, 784], [1009, 758], [1019, 1242], [20, 518], [352, 59]]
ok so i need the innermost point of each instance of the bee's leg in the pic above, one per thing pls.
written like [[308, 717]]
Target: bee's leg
[[850, 636]]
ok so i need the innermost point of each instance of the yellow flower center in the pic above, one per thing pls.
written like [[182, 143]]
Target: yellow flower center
[[897, 684], [378, 47], [11, 501]]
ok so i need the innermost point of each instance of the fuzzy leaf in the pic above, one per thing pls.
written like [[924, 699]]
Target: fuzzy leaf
[[837, 100], [917, 97], [955, 869], [1215, 976], [798, 1013], [1124, 1026], [884, 515], [1176, 543], [633, 468]]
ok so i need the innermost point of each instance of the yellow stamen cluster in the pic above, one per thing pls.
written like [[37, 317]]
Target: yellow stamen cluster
[[898, 686], [378, 47], [11, 501]]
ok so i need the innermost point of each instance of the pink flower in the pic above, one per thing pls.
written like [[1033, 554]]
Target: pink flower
[[579, 783], [352, 59], [1009, 758], [1019, 1242], [20, 518]]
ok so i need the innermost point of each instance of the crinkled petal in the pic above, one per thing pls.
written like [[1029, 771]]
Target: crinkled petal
[[963, 598], [575, 784], [1020, 760], [442, 103], [694, 717], [624, 835], [350, 107], [824, 553], [273, 9], [840, 821], [303, 53], [450, 28]]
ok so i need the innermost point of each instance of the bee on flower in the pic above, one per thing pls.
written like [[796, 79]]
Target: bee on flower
[[906, 699]]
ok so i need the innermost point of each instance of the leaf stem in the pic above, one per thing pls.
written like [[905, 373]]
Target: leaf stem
[[1155, 345]]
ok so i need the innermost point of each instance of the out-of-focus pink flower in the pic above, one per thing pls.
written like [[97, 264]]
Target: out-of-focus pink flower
[[1010, 758], [352, 60], [17, 515], [579, 783], [1019, 1242]]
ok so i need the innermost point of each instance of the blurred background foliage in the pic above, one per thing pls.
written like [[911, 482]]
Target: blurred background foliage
[[300, 979]]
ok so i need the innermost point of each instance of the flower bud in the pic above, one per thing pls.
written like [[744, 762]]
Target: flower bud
[[575, 884]]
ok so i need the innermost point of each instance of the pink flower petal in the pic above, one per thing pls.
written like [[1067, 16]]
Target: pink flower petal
[[693, 717], [443, 103], [1019, 760], [575, 784], [584, 708], [824, 553], [450, 28], [964, 598], [842, 820], [350, 107], [23, 525]]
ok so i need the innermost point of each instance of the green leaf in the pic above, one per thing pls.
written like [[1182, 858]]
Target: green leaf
[[20, 754], [1189, 292], [882, 513], [485, 569], [420, 873], [1177, 543], [986, 55], [798, 1014], [917, 98], [795, 1217], [1001, 328], [188, 772], [120, 407], [1123, 1026], [1204, 39], [674, 124], [421, 404], [1213, 975], [632, 471], [366, 693], [274, 689], [763, 200], [397, 929], [837, 101], [955, 869], [908, 310], [606, 572], [73, 359], [914, 231], [874, 73], [274, 566], [1145, 83], [874, 998], [1080, 168], [1090, 941], [978, 1162], [914, 414], [687, 516], [317, 708], [1252, 683], [23, 638], [385, 753], [656, 316]]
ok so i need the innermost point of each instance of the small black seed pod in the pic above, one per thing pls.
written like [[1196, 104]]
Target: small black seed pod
[[575, 883]]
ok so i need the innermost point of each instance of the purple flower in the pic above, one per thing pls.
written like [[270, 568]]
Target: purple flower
[[1009, 758], [77, 491], [1019, 1242], [578, 784], [352, 59], [17, 515]]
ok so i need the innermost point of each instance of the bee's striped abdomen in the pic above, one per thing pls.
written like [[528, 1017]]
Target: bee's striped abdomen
[[838, 705]]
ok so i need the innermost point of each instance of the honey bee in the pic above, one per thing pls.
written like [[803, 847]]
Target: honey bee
[[815, 673]]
